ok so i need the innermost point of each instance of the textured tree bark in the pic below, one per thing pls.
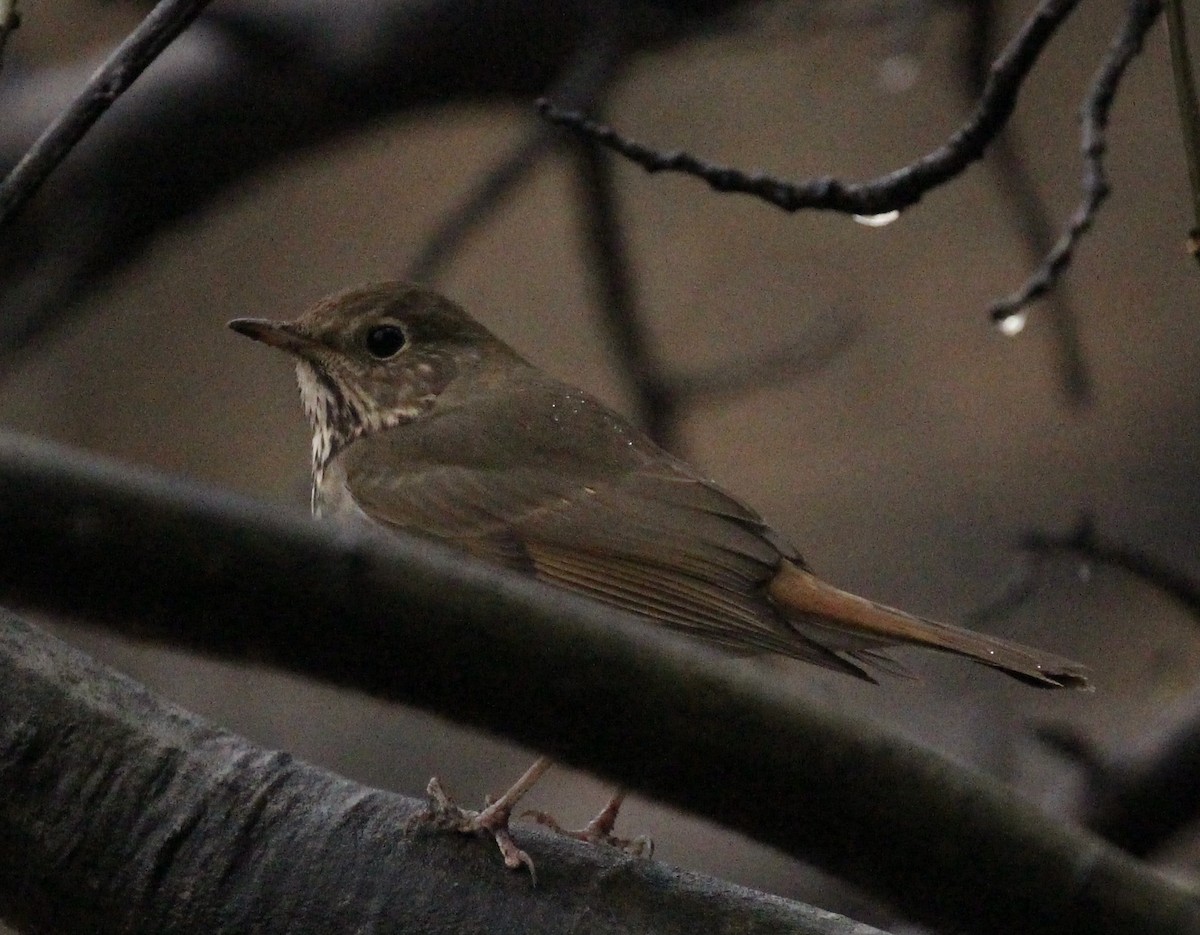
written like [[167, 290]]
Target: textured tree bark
[[123, 813]]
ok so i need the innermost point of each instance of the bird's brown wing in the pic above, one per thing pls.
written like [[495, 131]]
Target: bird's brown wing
[[650, 539]]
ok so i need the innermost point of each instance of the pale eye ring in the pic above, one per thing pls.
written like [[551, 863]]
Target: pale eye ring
[[384, 341]]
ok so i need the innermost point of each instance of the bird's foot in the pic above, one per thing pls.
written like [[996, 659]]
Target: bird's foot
[[600, 830], [444, 814]]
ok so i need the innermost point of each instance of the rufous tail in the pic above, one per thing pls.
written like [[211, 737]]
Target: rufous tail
[[864, 625]]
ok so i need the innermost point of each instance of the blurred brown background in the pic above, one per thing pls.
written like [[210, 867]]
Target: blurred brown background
[[906, 466]]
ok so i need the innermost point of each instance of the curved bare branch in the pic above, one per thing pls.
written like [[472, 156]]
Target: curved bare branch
[[202, 569]]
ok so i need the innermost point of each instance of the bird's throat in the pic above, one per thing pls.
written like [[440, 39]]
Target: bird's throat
[[324, 405], [339, 412]]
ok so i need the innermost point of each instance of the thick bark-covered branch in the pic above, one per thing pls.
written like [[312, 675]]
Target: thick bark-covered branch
[[409, 621], [123, 813]]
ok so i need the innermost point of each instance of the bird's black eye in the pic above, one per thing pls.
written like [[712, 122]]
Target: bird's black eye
[[384, 341]]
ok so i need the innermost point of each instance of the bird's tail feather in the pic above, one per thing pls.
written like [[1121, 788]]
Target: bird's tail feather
[[863, 624]]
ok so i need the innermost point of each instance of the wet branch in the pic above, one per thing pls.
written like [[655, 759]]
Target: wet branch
[[1094, 114], [892, 192], [1030, 212]]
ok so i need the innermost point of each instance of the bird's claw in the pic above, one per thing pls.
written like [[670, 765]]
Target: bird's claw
[[597, 831], [444, 814]]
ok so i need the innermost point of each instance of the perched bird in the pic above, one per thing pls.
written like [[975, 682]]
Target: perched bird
[[424, 421]]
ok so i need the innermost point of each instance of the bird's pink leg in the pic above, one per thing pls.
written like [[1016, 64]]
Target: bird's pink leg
[[600, 829], [494, 817]]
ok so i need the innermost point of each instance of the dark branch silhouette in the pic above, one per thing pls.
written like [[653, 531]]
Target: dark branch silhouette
[[657, 405], [166, 21], [903, 187], [1138, 805], [1096, 107], [122, 813], [1141, 804], [1030, 212], [200, 569], [892, 192]]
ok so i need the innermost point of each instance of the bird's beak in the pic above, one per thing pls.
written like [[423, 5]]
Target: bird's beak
[[280, 334]]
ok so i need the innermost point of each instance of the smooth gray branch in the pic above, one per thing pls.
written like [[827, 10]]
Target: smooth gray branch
[[123, 813], [409, 621]]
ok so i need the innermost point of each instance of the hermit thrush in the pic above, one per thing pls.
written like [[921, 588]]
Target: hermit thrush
[[423, 421]]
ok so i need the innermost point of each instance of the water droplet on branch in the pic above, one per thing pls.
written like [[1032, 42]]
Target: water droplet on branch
[[877, 220], [1012, 325]]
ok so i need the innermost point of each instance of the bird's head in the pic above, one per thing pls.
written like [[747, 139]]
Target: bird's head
[[373, 357]]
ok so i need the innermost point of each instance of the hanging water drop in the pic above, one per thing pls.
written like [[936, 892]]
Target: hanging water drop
[[1012, 325], [877, 220]]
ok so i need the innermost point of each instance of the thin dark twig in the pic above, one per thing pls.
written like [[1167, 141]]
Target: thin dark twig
[[891, 192], [1189, 110], [141, 47], [1094, 113], [1086, 543], [500, 181], [1029, 209], [584, 80], [656, 400]]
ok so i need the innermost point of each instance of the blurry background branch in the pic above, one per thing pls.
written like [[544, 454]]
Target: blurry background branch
[[1138, 803], [123, 813], [1189, 108], [1085, 543], [245, 86], [150, 557]]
